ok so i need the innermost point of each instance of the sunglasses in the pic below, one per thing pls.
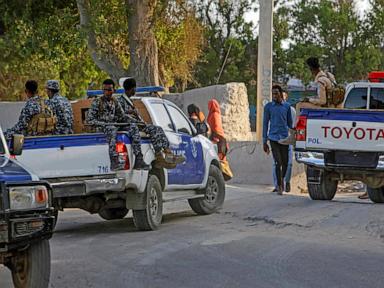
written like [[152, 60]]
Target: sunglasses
[[107, 89]]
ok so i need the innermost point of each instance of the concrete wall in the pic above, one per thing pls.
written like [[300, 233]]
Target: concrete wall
[[233, 99], [250, 165]]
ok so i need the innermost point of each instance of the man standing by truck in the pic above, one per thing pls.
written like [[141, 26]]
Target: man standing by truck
[[106, 110], [277, 120], [158, 138], [61, 108]]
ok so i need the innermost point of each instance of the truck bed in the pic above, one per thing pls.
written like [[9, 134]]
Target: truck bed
[[66, 155], [347, 130]]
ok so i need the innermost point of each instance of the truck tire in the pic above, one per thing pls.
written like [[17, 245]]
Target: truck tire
[[150, 218], [113, 213], [214, 194], [327, 187], [376, 194], [32, 267]]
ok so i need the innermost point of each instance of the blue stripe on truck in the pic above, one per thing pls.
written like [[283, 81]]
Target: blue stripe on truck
[[74, 140], [344, 115]]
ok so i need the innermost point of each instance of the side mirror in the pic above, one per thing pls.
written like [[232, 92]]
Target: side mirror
[[184, 130], [17, 144]]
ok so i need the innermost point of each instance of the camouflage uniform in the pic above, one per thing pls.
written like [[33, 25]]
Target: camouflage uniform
[[156, 134], [103, 112], [62, 109], [31, 108]]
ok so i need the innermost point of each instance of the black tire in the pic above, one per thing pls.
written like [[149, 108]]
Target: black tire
[[113, 213], [376, 194], [327, 187], [32, 267], [150, 218], [214, 194]]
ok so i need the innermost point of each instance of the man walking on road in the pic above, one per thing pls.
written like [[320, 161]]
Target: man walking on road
[[277, 120], [287, 178]]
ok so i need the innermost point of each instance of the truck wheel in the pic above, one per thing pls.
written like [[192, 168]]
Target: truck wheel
[[113, 213], [150, 218], [214, 194], [32, 267], [327, 187], [376, 194]]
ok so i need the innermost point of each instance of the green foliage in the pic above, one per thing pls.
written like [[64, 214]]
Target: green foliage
[[179, 38], [349, 45], [41, 41], [230, 44]]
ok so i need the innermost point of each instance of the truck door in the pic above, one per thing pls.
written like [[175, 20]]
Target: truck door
[[192, 170], [175, 175]]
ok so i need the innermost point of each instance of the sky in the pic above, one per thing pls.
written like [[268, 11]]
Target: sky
[[361, 5]]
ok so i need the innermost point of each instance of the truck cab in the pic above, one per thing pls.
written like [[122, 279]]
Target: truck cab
[[26, 220]]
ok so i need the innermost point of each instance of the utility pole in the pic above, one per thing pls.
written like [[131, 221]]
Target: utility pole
[[264, 63]]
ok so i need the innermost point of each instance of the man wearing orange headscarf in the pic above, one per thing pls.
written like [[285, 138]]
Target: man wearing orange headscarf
[[217, 131]]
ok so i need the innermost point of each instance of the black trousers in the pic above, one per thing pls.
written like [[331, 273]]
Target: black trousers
[[280, 155]]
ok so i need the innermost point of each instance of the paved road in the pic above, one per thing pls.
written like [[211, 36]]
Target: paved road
[[259, 239]]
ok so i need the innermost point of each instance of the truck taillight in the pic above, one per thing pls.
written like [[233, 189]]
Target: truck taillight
[[301, 128], [122, 153]]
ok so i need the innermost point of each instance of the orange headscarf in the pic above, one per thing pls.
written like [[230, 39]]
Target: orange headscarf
[[214, 118]]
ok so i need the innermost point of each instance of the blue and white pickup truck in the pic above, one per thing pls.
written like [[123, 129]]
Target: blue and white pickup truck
[[347, 144], [26, 220], [78, 169]]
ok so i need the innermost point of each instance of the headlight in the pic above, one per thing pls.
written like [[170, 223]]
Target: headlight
[[28, 197]]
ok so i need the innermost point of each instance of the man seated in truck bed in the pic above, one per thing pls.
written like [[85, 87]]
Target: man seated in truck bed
[[105, 110], [156, 134]]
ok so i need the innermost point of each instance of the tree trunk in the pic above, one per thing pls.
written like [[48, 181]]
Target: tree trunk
[[107, 62], [142, 42]]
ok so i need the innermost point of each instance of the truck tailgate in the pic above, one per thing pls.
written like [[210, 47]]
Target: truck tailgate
[[66, 155], [351, 130]]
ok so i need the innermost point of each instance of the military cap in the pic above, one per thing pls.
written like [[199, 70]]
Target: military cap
[[53, 84]]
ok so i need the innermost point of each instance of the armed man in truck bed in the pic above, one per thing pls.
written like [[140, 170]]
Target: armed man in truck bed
[[164, 156], [107, 109]]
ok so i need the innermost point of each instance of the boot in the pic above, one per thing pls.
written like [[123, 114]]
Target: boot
[[140, 164], [160, 162], [290, 140]]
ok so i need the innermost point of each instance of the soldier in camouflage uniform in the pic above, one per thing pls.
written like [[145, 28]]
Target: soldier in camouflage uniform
[[30, 109], [156, 134], [61, 108], [107, 109]]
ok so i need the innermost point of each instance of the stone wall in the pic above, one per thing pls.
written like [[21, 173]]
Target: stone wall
[[233, 99]]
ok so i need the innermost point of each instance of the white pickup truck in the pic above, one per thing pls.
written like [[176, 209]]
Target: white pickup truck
[[78, 169], [344, 144]]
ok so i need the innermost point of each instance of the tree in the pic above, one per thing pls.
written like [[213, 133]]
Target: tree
[[230, 47], [136, 51], [333, 31]]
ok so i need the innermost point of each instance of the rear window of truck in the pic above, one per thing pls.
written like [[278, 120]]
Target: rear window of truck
[[377, 99], [357, 99]]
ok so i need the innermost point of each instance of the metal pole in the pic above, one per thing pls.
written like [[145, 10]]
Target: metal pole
[[225, 61], [264, 63]]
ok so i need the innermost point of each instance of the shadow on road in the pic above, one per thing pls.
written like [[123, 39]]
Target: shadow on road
[[125, 225]]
